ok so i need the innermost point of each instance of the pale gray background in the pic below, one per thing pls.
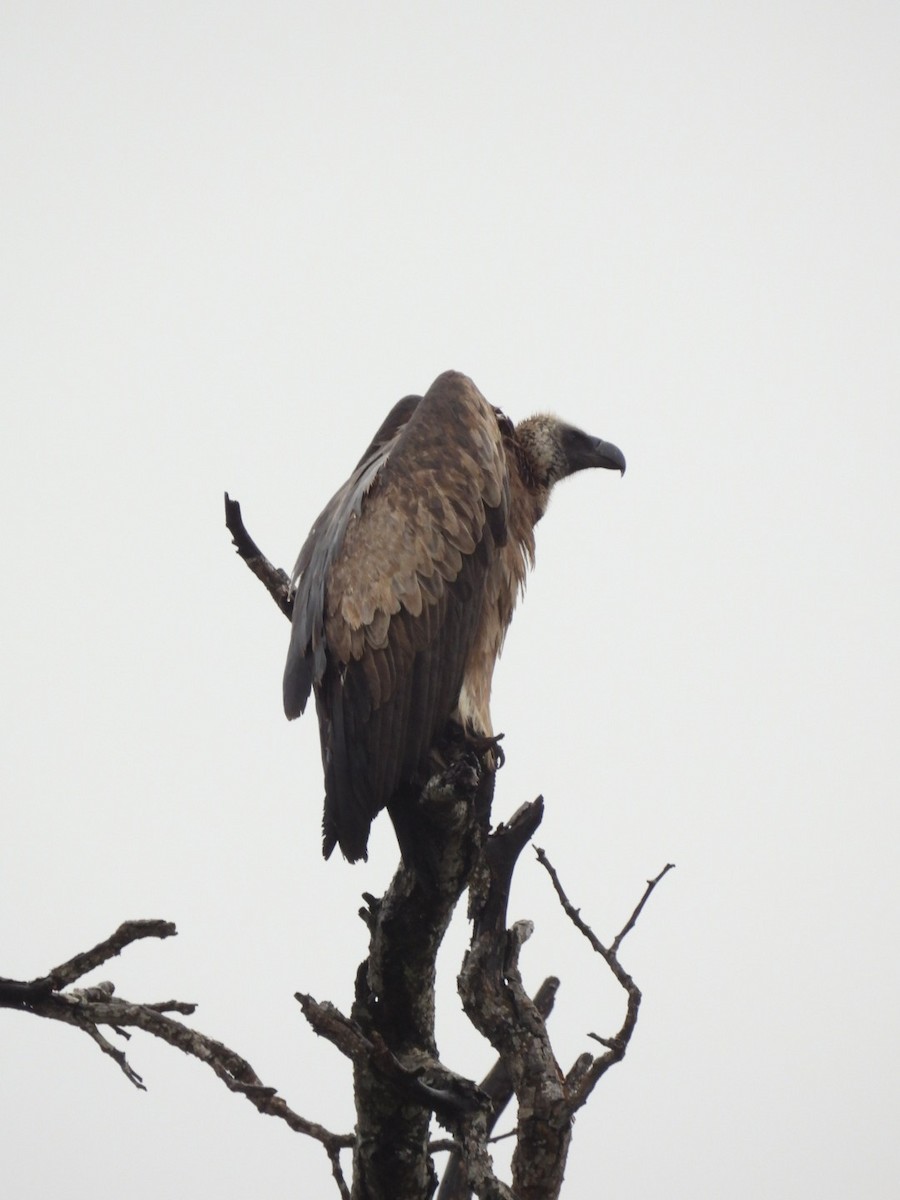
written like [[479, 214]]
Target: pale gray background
[[232, 236]]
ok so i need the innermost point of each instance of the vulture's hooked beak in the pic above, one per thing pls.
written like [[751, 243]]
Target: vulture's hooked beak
[[583, 451], [609, 456]]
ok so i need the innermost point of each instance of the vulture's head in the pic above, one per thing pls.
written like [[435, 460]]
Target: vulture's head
[[551, 450]]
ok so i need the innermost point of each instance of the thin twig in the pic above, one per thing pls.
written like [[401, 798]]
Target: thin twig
[[117, 1056], [334, 1157], [632, 920], [276, 581]]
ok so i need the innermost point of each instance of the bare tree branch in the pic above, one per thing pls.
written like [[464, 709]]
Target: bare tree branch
[[91, 1007], [429, 1082], [128, 932], [496, 1002], [334, 1157], [276, 581], [632, 920], [15, 993], [587, 1071], [497, 1085]]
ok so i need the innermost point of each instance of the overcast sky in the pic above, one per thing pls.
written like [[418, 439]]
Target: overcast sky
[[232, 236]]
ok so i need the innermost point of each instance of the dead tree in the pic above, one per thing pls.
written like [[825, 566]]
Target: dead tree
[[401, 1086]]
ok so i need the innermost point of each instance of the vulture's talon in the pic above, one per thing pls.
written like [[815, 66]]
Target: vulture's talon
[[487, 746]]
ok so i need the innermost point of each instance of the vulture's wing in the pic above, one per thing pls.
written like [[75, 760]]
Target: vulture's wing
[[306, 652], [389, 590]]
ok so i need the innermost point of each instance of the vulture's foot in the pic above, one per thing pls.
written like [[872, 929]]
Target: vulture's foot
[[486, 747], [458, 740]]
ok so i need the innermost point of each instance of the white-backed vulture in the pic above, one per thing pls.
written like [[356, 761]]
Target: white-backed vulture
[[407, 582]]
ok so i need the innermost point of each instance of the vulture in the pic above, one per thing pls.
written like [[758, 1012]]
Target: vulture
[[406, 585]]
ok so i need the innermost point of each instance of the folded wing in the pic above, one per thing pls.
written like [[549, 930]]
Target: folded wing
[[390, 587]]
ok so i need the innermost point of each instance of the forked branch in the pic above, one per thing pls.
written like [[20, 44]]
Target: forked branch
[[587, 1071], [91, 1007]]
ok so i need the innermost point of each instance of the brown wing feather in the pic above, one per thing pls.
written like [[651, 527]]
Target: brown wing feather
[[307, 650], [403, 598]]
